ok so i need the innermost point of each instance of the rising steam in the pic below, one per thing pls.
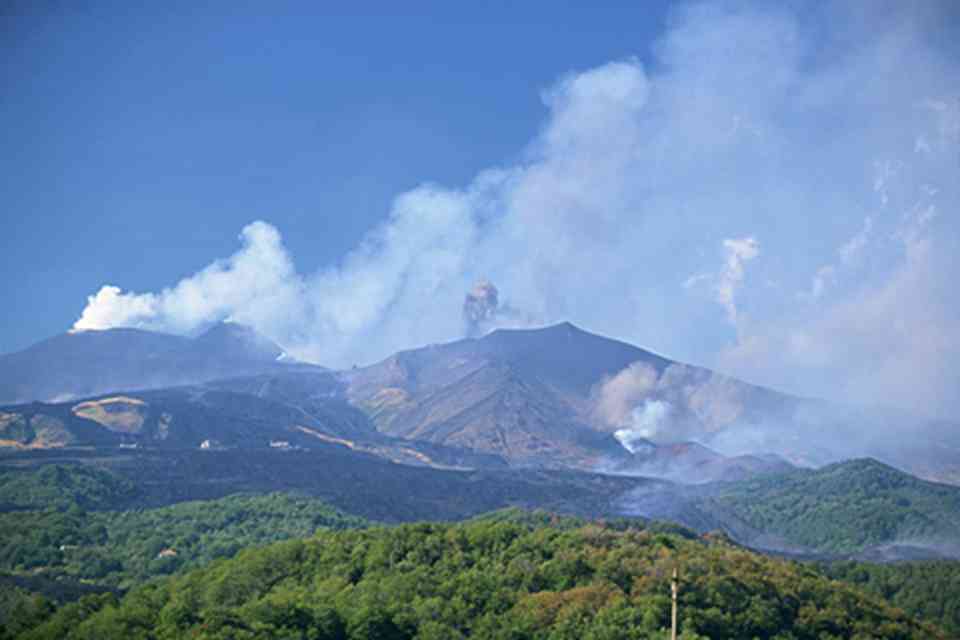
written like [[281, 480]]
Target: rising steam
[[648, 421]]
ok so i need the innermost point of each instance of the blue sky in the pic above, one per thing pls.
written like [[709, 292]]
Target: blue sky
[[139, 143], [769, 189]]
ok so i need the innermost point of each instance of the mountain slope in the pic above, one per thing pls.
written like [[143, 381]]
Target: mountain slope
[[87, 363], [538, 396], [558, 396]]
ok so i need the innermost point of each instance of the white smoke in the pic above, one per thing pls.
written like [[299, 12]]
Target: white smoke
[[699, 403], [618, 396], [639, 174], [257, 286], [649, 422], [739, 251]]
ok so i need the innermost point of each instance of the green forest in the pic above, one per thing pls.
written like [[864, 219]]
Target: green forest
[[291, 566], [489, 578], [846, 507], [63, 486], [928, 590]]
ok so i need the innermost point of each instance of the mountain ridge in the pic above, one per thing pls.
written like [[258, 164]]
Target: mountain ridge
[[90, 362]]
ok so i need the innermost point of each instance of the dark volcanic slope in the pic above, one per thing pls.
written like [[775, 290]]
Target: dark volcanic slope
[[527, 395], [557, 396], [305, 409], [563, 356], [358, 483], [91, 362]]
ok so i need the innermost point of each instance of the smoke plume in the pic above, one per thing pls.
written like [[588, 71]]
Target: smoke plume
[[647, 423], [668, 169]]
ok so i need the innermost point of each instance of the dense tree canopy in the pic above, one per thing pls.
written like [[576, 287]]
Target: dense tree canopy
[[491, 578], [929, 590], [63, 486]]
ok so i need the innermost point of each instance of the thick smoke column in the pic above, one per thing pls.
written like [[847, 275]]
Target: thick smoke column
[[480, 308]]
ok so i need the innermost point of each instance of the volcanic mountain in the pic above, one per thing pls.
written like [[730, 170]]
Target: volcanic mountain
[[86, 363], [561, 396], [537, 397], [553, 397]]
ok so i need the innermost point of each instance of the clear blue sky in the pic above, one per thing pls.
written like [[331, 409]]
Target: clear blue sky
[[137, 143]]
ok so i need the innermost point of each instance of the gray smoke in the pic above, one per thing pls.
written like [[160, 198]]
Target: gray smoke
[[480, 308]]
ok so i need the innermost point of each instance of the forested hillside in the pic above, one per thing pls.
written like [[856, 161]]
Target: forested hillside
[[846, 507], [928, 590], [492, 578]]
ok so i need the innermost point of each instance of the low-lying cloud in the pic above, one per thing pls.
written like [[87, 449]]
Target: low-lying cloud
[[783, 209]]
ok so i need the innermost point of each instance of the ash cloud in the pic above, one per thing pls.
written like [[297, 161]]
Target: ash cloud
[[684, 161], [480, 308]]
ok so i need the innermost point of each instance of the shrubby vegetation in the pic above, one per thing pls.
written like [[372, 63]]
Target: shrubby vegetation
[[846, 507], [490, 578]]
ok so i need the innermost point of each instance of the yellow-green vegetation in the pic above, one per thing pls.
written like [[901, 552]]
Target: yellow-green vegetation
[[39, 432], [14, 429], [497, 578], [117, 413]]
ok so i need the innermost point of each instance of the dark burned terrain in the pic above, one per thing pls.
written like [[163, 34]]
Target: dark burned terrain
[[357, 483]]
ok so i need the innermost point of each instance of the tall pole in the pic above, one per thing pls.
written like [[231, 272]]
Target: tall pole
[[674, 587]]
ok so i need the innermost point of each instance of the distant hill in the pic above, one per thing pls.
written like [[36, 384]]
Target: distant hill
[[848, 507], [86, 363]]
